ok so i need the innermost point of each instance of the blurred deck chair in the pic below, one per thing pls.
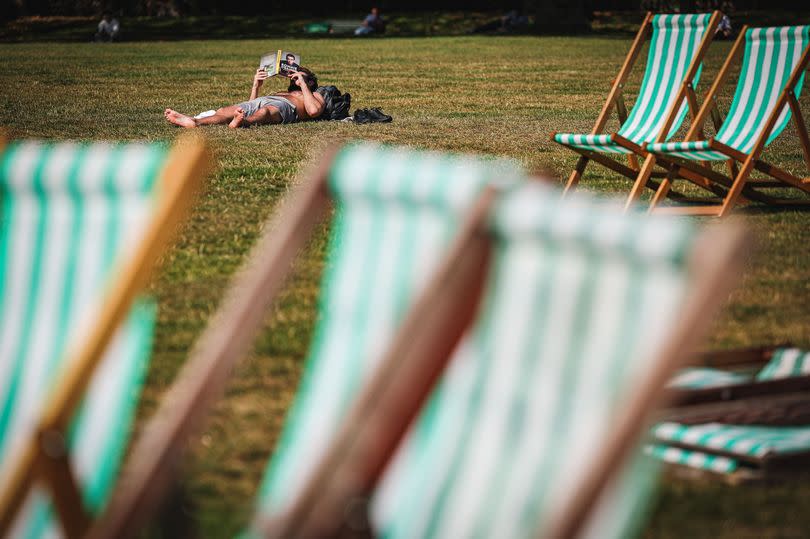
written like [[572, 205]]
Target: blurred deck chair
[[82, 226], [397, 212], [678, 44], [740, 427], [771, 79], [585, 314]]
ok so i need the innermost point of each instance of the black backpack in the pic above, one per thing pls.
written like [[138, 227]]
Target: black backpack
[[336, 105]]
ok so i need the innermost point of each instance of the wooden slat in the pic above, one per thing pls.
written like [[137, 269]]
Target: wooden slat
[[687, 210], [780, 409], [53, 468], [801, 127], [733, 392], [758, 356]]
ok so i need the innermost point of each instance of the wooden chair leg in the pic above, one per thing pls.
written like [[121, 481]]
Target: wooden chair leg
[[732, 168], [632, 160], [55, 471], [576, 175], [663, 189], [641, 181], [736, 187]]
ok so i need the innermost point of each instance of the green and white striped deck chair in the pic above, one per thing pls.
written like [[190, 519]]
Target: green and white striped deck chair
[[740, 452], [678, 44], [397, 211], [766, 98], [583, 320], [77, 236]]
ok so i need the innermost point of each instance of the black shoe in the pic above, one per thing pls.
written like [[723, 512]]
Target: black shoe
[[362, 116], [378, 115]]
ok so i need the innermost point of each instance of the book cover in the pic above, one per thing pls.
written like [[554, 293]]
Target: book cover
[[280, 62]]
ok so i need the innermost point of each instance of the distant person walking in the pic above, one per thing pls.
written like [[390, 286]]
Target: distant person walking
[[372, 24], [109, 28]]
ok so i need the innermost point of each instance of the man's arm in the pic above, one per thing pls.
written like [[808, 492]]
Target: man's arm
[[258, 80], [312, 103]]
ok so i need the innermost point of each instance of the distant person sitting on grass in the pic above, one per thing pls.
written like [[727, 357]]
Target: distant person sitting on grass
[[109, 28], [299, 103], [372, 24]]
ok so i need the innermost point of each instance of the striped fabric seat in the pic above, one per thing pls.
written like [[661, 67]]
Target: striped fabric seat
[[771, 55], [530, 395], [692, 459], [700, 377], [786, 362], [674, 43], [744, 440], [68, 212], [397, 211]]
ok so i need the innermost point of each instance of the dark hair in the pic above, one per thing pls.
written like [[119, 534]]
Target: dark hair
[[310, 78]]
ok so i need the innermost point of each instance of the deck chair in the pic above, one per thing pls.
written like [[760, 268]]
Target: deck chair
[[741, 428], [771, 78], [543, 377], [82, 226], [678, 44], [397, 212]]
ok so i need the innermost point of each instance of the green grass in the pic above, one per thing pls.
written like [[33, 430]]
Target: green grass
[[444, 93]]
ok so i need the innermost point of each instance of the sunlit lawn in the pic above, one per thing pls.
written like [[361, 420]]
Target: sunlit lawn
[[493, 95]]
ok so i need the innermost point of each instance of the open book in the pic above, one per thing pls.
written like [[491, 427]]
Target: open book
[[280, 63]]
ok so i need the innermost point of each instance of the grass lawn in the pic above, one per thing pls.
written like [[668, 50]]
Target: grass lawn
[[445, 93]]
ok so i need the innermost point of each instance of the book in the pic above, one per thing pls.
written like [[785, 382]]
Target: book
[[280, 62]]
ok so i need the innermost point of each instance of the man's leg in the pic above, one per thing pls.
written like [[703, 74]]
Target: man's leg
[[265, 115], [221, 117]]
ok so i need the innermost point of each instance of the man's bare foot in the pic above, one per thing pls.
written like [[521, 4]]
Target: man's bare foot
[[237, 119], [179, 119]]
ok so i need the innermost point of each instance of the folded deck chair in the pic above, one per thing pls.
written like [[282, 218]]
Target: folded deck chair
[[678, 44], [397, 212], [82, 226], [758, 427], [766, 98], [585, 314]]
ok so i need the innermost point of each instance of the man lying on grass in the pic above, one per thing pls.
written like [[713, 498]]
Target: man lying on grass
[[299, 103]]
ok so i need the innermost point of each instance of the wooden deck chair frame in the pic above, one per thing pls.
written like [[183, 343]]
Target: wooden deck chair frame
[[737, 187], [380, 416], [149, 472], [45, 457], [642, 175]]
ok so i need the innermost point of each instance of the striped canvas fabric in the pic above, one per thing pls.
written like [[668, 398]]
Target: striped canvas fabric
[[397, 211], [674, 43], [68, 212], [692, 459], [700, 377], [530, 394], [771, 55], [786, 362], [743, 440]]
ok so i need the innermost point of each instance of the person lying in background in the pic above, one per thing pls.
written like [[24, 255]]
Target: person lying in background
[[301, 102]]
